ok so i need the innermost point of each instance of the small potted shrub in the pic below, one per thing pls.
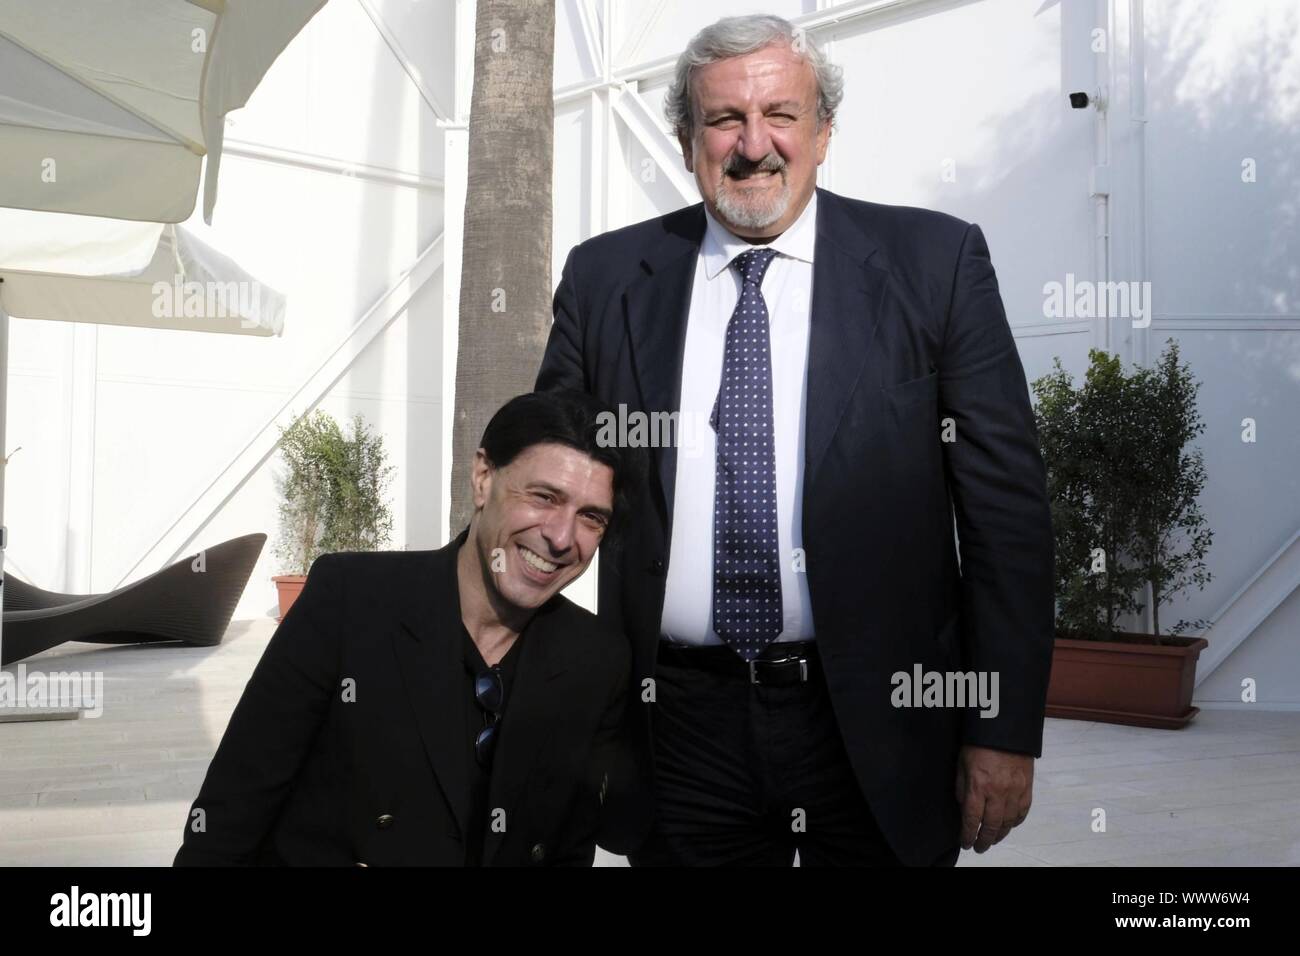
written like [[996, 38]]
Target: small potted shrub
[[332, 497], [1130, 535]]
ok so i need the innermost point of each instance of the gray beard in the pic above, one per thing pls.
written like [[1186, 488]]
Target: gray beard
[[750, 215]]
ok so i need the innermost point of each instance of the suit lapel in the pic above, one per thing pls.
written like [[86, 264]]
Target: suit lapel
[[657, 304], [846, 301], [529, 726], [847, 295], [427, 644]]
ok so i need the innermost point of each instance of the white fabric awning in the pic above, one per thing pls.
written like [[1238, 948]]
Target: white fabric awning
[[106, 108], [148, 275]]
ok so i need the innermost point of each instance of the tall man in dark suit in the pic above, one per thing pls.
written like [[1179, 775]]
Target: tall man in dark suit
[[863, 399], [444, 707]]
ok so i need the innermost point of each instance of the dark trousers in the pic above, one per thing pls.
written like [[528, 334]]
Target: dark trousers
[[748, 774]]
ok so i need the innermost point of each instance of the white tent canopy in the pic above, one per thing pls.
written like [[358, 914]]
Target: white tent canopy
[[148, 275], [106, 108]]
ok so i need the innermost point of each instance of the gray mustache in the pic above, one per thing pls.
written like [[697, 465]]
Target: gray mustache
[[771, 163]]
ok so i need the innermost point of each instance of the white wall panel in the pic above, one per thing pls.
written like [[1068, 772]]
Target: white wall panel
[[974, 90], [1224, 88], [36, 439]]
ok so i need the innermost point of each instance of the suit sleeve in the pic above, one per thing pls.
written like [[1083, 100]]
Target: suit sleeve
[[562, 365], [625, 809], [613, 783], [272, 729], [998, 486]]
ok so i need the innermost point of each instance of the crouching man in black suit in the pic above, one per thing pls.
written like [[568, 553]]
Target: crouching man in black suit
[[445, 707]]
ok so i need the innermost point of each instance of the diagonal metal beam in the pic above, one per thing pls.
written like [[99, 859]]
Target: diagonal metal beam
[[640, 121], [1250, 606], [637, 35], [404, 61], [592, 35]]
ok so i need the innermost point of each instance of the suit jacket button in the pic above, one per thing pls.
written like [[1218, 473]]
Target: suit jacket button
[[657, 565], [385, 821], [538, 853]]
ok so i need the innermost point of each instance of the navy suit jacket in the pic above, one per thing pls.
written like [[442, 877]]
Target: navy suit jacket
[[908, 332]]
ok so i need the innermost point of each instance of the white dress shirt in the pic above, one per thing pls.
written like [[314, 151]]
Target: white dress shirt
[[787, 289]]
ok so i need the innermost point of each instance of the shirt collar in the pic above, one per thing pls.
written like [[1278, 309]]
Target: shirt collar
[[721, 246]]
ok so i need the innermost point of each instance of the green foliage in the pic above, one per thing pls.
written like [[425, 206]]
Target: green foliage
[[332, 494], [1124, 490]]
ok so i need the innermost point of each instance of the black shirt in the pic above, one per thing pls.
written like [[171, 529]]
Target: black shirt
[[476, 719]]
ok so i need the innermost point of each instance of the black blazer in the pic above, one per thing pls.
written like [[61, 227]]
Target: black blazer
[[907, 329], [305, 777]]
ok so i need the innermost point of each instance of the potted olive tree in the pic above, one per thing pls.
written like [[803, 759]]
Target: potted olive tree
[[331, 496], [1124, 485]]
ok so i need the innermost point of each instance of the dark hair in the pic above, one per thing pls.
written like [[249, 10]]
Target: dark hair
[[571, 418]]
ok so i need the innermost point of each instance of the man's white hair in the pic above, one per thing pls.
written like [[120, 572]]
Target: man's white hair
[[737, 36]]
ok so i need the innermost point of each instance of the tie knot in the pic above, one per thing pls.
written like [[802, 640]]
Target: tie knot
[[752, 264]]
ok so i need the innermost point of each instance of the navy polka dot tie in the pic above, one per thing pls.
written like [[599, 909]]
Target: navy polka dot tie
[[746, 565]]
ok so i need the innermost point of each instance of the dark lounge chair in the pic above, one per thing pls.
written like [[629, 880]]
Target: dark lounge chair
[[177, 603]]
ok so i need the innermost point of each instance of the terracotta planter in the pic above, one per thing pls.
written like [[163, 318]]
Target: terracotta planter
[[1130, 681], [288, 586]]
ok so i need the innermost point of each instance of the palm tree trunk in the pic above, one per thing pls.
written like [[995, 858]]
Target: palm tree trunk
[[505, 286]]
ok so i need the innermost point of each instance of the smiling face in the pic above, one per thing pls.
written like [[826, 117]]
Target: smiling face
[[546, 512], [756, 141]]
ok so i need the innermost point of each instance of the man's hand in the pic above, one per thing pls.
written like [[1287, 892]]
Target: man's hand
[[995, 789]]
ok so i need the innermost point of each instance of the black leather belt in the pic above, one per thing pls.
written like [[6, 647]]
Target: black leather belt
[[789, 662]]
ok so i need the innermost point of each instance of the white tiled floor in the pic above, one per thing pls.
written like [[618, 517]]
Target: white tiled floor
[[114, 790]]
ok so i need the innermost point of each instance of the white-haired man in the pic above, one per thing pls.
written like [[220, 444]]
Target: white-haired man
[[863, 390]]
